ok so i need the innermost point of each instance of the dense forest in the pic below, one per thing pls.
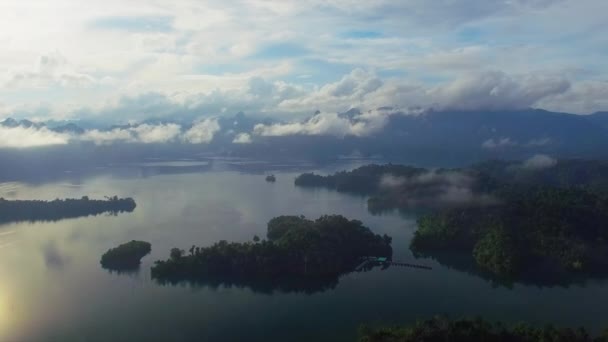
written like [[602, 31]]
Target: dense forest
[[508, 217], [465, 330], [126, 256], [564, 230], [58, 209], [296, 250]]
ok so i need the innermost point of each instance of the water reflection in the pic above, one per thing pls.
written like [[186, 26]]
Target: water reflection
[[291, 284], [540, 276], [54, 258], [53, 287], [59, 209], [12, 179]]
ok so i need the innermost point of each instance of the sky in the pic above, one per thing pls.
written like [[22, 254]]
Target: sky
[[124, 61]]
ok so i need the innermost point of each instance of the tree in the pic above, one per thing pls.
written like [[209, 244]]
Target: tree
[[176, 253]]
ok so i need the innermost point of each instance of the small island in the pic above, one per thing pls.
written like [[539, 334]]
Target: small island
[[271, 178], [58, 209], [444, 329], [297, 251], [126, 256]]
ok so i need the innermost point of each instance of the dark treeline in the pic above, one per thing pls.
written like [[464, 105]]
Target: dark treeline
[[511, 220], [298, 254], [126, 256], [58, 209], [364, 180], [467, 330]]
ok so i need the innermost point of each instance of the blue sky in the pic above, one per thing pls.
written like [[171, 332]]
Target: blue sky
[[105, 59]]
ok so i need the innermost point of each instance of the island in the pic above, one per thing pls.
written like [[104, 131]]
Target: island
[[126, 256], [271, 178], [58, 209], [444, 329], [543, 223], [296, 254]]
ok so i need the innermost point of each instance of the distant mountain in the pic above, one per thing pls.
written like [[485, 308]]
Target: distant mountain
[[452, 137], [10, 122], [492, 130], [69, 128]]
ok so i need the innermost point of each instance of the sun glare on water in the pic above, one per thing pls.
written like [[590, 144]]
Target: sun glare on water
[[5, 316]]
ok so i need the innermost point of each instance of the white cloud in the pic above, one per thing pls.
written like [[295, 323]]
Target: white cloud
[[153, 134], [157, 133], [495, 90], [108, 137], [242, 138], [539, 162], [202, 132], [22, 137], [435, 189], [328, 124], [210, 54]]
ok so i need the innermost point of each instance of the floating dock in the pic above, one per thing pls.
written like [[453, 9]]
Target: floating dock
[[386, 261]]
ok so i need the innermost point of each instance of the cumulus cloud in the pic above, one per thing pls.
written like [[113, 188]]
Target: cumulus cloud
[[23, 137], [583, 97], [488, 90], [495, 90], [329, 124], [435, 189], [242, 138], [202, 132], [197, 50], [100, 137], [156, 133], [539, 162]]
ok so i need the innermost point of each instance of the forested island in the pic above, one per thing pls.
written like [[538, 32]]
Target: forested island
[[58, 209], [126, 256], [514, 222], [465, 330], [298, 254]]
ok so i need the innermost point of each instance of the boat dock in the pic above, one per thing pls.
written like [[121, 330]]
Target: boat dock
[[385, 261]]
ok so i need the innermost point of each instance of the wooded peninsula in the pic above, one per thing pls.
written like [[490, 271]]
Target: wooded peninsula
[[513, 219], [58, 209]]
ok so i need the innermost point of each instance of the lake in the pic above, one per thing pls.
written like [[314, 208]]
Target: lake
[[52, 287]]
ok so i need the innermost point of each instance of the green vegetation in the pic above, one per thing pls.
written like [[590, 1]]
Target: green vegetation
[[296, 248], [126, 256], [565, 230], [36, 210], [466, 330], [512, 219]]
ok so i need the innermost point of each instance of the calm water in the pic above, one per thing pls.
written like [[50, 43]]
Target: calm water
[[53, 289]]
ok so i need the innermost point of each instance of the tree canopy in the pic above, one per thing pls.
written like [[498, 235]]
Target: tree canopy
[[295, 248]]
